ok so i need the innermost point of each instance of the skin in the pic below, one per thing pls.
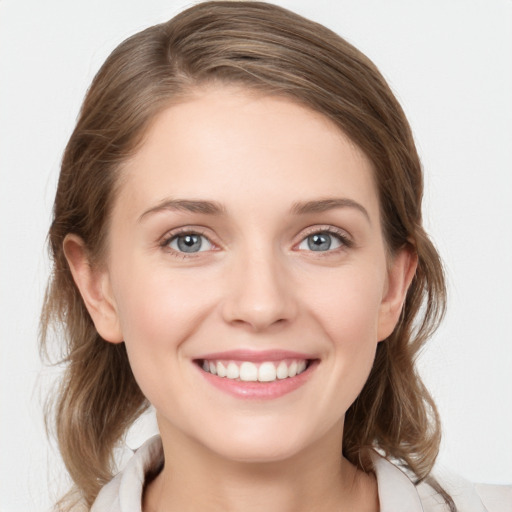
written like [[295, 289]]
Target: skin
[[255, 285]]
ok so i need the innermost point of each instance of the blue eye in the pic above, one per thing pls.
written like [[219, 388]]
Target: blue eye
[[321, 242], [189, 243]]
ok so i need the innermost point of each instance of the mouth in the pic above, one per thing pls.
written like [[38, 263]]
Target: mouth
[[263, 375]]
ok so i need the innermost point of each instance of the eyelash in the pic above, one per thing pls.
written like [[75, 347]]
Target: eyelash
[[342, 237]]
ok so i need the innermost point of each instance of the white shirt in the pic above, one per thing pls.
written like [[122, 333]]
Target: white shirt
[[396, 491]]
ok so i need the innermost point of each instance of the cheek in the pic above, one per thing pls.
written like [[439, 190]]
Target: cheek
[[157, 318], [158, 312], [348, 313], [348, 306]]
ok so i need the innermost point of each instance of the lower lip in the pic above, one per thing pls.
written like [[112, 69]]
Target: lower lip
[[260, 390]]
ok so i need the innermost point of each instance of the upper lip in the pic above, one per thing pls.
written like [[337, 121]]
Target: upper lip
[[256, 356]]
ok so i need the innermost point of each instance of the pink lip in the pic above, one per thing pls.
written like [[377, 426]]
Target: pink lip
[[258, 390], [255, 356]]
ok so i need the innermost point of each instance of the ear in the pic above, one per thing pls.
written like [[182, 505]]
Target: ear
[[94, 286], [400, 274]]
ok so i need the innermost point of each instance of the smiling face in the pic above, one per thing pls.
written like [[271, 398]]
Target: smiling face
[[247, 274]]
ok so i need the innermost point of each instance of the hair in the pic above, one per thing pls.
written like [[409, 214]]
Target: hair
[[268, 49]]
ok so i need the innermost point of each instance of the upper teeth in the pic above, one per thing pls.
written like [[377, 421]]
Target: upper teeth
[[250, 372]]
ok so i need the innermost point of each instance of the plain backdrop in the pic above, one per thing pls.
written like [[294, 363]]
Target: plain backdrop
[[450, 64]]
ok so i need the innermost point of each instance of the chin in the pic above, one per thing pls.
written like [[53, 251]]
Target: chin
[[256, 452], [261, 442]]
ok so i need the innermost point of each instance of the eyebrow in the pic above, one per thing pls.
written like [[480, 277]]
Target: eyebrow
[[215, 208], [186, 205], [323, 205]]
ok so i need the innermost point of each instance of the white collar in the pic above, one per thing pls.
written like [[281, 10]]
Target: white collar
[[396, 491]]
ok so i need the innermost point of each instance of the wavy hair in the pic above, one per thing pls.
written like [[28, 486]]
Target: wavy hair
[[269, 49]]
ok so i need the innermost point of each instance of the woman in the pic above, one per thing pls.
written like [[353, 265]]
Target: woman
[[237, 241]]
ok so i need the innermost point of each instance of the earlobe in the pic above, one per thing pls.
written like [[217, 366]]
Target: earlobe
[[400, 275], [95, 289]]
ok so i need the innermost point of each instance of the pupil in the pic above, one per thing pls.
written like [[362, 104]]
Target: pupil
[[189, 243], [319, 242]]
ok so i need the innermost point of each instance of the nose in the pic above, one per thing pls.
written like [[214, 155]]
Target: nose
[[259, 293]]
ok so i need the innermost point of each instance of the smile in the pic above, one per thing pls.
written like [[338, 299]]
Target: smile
[[248, 371], [257, 375]]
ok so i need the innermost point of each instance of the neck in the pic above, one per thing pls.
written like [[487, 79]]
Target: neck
[[318, 478]]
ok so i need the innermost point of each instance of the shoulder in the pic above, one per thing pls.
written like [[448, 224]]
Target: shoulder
[[397, 493], [124, 492], [468, 497], [496, 498]]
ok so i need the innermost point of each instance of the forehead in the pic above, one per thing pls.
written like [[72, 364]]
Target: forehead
[[229, 144]]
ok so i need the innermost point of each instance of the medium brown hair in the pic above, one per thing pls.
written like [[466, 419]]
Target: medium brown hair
[[266, 48]]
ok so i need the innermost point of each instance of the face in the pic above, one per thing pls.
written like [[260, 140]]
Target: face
[[247, 274]]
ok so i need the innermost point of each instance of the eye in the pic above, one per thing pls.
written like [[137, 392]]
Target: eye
[[189, 243], [322, 241]]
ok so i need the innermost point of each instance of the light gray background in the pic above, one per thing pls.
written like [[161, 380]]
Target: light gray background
[[450, 64]]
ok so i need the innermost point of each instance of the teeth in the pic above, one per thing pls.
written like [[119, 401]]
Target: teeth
[[232, 372], [221, 370], [267, 372], [282, 370], [250, 372], [292, 369]]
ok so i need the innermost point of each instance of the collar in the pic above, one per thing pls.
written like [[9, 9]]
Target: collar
[[396, 491]]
